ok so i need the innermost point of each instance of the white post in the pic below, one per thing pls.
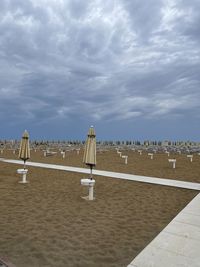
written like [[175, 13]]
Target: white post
[[1, 151], [90, 183], [24, 173], [24, 178], [125, 157], [174, 164], [167, 153], [191, 157], [120, 154], [45, 153], [151, 155], [63, 154], [91, 192], [13, 151], [78, 150]]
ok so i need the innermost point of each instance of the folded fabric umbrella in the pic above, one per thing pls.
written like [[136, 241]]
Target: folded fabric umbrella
[[24, 150], [89, 157]]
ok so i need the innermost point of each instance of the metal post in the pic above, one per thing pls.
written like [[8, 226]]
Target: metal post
[[91, 172]]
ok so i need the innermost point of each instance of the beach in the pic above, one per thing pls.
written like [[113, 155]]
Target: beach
[[138, 164], [47, 222]]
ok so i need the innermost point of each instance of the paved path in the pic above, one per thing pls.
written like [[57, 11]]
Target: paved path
[[143, 179], [178, 245]]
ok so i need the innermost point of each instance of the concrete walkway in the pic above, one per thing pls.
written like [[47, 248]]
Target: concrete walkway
[[178, 245], [131, 177]]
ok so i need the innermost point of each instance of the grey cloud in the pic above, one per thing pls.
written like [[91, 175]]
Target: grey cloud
[[78, 9], [145, 17], [115, 61]]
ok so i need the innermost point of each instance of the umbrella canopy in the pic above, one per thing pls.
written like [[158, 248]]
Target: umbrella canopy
[[89, 157], [24, 151]]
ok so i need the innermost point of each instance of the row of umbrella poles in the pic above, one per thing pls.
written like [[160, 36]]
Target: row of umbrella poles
[[89, 158]]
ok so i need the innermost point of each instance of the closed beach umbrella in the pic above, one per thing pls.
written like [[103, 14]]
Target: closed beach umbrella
[[89, 157], [24, 151]]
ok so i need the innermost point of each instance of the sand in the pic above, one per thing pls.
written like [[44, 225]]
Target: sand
[[47, 223], [139, 165]]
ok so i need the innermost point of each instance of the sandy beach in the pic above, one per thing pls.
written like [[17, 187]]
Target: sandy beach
[[99, 82], [47, 223], [139, 165]]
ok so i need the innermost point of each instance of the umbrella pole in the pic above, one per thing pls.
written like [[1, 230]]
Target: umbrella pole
[[90, 172], [24, 164], [91, 186]]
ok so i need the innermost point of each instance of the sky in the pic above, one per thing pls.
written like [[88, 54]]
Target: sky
[[131, 68]]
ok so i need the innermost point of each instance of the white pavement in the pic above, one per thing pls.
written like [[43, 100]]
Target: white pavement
[[178, 245], [131, 177]]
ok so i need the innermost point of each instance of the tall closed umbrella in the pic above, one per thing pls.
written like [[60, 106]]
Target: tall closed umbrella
[[89, 157], [24, 150]]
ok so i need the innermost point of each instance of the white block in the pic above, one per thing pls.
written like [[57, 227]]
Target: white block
[[151, 155], [63, 154], [90, 183], [125, 157], [173, 161], [190, 157], [23, 172], [87, 182]]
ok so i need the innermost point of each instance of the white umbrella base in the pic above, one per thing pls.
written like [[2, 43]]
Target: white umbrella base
[[23, 182], [87, 198], [23, 172], [90, 183]]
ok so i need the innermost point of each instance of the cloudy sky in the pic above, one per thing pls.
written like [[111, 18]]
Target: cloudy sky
[[131, 68]]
